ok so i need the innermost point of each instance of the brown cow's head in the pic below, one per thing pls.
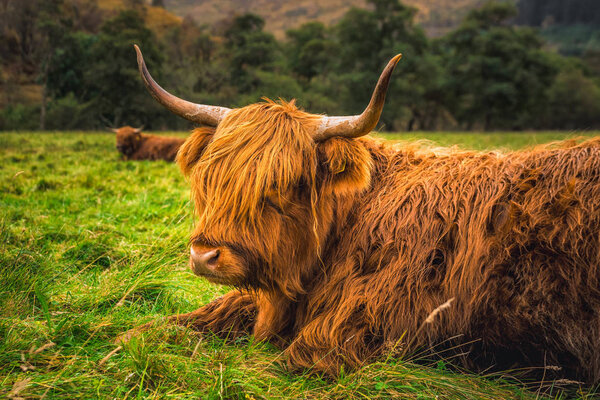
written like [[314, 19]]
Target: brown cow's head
[[266, 179], [128, 139]]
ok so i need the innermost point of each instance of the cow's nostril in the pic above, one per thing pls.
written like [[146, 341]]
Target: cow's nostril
[[214, 258], [207, 259]]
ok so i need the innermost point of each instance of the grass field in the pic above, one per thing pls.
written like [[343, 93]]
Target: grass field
[[91, 246]]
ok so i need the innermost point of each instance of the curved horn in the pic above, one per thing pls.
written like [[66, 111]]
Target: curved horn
[[199, 113], [138, 130], [359, 125]]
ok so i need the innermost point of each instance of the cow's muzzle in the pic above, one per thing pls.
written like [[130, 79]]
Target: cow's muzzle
[[204, 262]]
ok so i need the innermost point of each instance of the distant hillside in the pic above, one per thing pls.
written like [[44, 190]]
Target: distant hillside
[[437, 16], [158, 19]]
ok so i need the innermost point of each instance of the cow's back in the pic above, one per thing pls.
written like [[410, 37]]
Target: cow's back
[[514, 238], [158, 148]]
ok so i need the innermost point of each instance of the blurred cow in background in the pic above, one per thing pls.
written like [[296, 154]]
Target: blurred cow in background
[[135, 145]]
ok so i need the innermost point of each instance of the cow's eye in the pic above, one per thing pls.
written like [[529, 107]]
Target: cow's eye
[[274, 204]]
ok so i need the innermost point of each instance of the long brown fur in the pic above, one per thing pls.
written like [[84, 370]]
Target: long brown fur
[[135, 145], [345, 247]]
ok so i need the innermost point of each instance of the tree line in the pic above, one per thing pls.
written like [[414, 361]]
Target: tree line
[[561, 12], [487, 74]]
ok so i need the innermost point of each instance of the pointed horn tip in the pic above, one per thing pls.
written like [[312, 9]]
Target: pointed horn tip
[[360, 125], [140, 57]]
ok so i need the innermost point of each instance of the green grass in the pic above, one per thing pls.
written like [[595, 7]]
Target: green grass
[[91, 246]]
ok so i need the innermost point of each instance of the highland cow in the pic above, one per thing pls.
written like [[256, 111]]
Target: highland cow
[[342, 246], [134, 145]]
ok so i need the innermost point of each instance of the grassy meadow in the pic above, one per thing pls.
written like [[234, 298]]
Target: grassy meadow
[[91, 246]]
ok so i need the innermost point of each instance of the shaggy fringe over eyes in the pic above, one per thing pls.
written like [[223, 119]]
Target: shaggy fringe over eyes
[[264, 148]]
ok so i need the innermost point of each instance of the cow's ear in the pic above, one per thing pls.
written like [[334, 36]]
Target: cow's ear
[[345, 165], [191, 150]]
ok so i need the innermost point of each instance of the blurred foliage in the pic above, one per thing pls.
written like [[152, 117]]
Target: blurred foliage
[[485, 74], [562, 12], [497, 74], [115, 92]]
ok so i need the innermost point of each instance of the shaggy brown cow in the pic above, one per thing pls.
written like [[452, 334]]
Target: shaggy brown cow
[[135, 145], [343, 245]]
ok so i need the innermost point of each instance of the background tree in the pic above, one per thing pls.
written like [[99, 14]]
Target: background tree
[[116, 93], [60, 52], [310, 50], [367, 40], [249, 48], [573, 97], [497, 74]]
